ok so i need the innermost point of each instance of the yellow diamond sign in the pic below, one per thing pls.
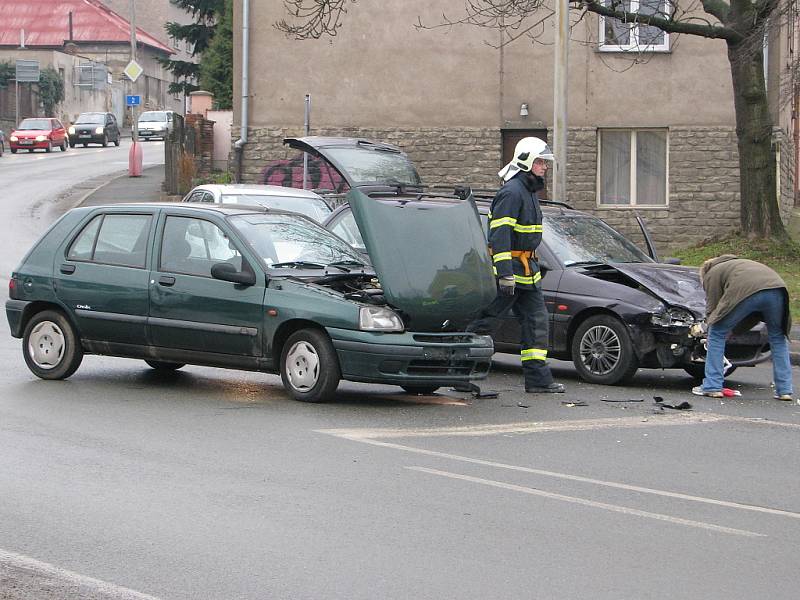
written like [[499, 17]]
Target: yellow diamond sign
[[133, 70]]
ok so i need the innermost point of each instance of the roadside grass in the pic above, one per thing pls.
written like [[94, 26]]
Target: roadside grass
[[783, 257]]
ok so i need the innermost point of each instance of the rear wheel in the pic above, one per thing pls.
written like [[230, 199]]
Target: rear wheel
[[309, 366], [423, 390], [160, 365], [51, 346], [602, 351]]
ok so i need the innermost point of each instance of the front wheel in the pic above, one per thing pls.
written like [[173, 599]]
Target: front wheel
[[309, 366], [116, 142], [13, 150], [49, 147], [602, 351], [160, 365], [51, 346], [64, 146], [105, 141]]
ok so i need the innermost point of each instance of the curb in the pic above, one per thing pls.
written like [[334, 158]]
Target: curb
[[93, 191]]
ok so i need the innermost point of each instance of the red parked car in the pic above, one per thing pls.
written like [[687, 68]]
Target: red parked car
[[38, 132]]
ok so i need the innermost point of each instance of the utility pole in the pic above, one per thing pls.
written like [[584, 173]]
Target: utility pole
[[135, 155], [561, 71]]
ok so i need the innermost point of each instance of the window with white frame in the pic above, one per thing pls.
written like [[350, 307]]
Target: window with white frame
[[632, 167], [617, 36]]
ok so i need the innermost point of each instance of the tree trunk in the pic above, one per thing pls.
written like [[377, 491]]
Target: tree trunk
[[760, 214]]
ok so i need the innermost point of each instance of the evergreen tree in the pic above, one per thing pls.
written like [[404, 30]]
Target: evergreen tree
[[199, 34], [216, 69]]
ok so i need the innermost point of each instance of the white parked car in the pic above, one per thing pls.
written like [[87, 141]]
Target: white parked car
[[270, 196], [155, 124]]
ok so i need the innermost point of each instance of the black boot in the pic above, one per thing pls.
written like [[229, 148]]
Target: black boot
[[553, 388]]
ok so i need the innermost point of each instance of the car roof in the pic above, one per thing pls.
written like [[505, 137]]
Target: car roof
[[190, 207], [256, 190], [316, 141]]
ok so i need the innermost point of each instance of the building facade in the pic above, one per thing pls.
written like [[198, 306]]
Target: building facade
[[649, 132]]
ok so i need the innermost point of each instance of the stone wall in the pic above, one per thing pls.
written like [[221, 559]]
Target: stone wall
[[703, 199], [442, 156]]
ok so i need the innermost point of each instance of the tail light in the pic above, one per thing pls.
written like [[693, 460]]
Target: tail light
[[13, 288]]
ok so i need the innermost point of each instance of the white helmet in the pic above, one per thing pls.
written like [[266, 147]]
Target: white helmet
[[526, 151]]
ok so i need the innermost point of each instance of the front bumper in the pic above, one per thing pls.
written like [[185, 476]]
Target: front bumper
[[86, 138], [412, 358], [34, 145]]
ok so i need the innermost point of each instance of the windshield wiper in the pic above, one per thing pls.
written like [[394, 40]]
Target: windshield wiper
[[342, 264], [297, 264], [587, 263]]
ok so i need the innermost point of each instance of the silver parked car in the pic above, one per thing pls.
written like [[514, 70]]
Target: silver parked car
[[155, 124], [270, 196]]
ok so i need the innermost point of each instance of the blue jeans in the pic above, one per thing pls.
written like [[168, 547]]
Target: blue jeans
[[771, 305]]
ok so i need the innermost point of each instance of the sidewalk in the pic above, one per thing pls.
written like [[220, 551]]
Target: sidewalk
[[147, 188]]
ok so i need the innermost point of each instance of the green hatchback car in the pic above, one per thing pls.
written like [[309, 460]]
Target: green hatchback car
[[256, 289]]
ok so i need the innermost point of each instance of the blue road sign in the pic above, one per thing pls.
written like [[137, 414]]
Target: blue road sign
[[133, 100]]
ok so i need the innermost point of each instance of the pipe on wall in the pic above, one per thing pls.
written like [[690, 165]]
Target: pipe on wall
[[239, 144]]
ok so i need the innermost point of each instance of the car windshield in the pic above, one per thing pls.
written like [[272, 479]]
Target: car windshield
[[91, 119], [286, 238], [369, 165], [34, 124], [582, 239], [157, 115], [314, 208]]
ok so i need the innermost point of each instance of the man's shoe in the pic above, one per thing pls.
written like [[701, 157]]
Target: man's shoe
[[553, 388], [786, 397], [699, 391]]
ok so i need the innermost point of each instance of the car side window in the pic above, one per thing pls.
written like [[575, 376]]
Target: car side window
[[195, 197], [192, 246], [114, 240], [347, 229], [207, 197]]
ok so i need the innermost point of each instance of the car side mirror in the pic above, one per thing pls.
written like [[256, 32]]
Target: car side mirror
[[227, 272]]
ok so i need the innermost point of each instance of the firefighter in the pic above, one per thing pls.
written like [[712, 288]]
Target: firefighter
[[515, 230]]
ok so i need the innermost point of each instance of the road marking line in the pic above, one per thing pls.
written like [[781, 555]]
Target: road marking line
[[591, 503], [362, 436], [531, 427], [103, 587]]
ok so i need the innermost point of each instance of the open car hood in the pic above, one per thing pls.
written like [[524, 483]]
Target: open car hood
[[432, 261], [675, 285]]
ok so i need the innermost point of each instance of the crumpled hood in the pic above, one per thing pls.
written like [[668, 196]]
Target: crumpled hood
[[674, 284], [431, 259]]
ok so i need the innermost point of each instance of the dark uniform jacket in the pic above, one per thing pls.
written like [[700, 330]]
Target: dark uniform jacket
[[515, 229]]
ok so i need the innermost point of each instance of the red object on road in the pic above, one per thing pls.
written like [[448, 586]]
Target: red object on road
[[728, 392], [135, 160]]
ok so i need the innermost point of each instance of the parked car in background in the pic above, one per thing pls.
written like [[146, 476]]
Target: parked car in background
[[271, 196], [155, 124], [255, 289], [613, 307], [94, 128], [40, 133]]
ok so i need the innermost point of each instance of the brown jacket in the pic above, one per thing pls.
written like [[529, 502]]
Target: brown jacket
[[728, 280]]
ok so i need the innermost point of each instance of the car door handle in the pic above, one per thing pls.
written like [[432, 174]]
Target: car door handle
[[166, 280], [67, 269]]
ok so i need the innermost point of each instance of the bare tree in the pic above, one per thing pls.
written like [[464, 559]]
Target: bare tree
[[742, 24]]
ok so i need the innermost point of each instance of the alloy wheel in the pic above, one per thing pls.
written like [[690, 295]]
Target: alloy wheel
[[302, 366], [600, 350]]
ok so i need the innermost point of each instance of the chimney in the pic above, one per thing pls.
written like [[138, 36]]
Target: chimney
[[70, 26]]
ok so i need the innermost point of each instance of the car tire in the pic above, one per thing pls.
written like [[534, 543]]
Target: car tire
[[697, 371], [105, 141], [51, 346], [30, 150], [13, 150], [309, 366], [116, 142], [602, 351], [424, 390], [85, 144], [72, 144], [49, 147], [64, 146], [160, 365]]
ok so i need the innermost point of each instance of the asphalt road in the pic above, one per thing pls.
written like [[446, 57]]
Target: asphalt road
[[125, 483]]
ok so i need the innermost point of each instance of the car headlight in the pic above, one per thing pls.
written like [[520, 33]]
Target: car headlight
[[673, 317], [99, 130], [13, 138], [379, 318], [41, 138], [71, 131]]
